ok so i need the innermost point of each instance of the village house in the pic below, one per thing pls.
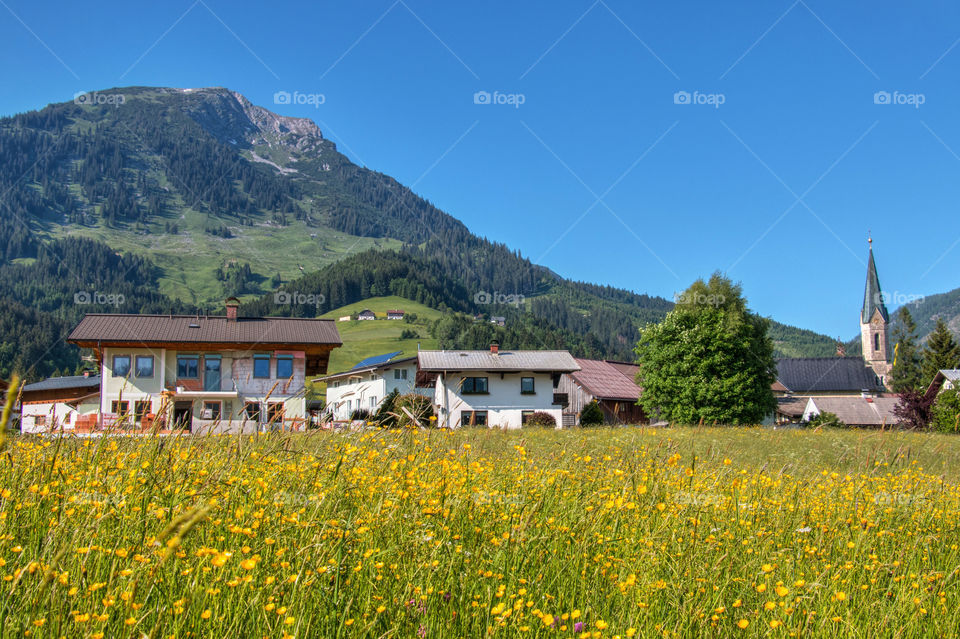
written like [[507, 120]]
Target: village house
[[395, 315], [221, 374], [366, 314], [944, 379], [612, 384], [494, 388], [58, 404], [864, 412], [366, 384]]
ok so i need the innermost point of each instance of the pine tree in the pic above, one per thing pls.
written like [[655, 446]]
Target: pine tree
[[905, 375], [941, 351]]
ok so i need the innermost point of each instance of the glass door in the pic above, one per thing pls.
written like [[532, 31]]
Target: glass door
[[211, 373]]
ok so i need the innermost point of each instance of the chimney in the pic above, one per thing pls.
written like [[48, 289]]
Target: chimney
[[495, 348], [232, 303], [841, 349]]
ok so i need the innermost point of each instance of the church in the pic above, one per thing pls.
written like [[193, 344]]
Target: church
[[855, 388]]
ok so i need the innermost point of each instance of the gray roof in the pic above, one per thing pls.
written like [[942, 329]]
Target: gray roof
[[61, 383], [826, 375], [860, 411], [217, 329], [953, 374], [533, 361], [353, 372]]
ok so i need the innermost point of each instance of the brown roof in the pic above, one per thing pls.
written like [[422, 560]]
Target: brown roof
[[792, 406], [860, 411], [608, 380], [109, 328]]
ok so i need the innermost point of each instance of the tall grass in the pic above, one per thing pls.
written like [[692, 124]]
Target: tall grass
[[623, 532]]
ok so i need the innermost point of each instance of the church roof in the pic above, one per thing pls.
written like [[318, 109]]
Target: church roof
[[872, 295], [826, 375]]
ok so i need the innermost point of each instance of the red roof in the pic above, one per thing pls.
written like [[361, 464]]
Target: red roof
[[608, 380]]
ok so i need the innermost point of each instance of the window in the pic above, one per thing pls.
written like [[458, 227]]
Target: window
[[188, 367], [474, 385], [284, 367], [525, 415], [144, 365], [526, 386], [141, 409], [399, 373], [211, 410], [261, 366], [40, 420], [473, 417], [121, 365], [119, 408], [275, 412], [876, 341], [336, 384], [373, 402], [252, 410]]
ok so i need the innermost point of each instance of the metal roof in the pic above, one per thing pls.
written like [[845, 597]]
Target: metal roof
[[61, 383], [534, 361], [607, 380], [953, 374], [872, 294], [859, 411], [826, 374], [365, 369], [107, 328], [375, 360]]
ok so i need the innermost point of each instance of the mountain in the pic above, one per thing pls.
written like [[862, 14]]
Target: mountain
[[927, 310], [137, 199]]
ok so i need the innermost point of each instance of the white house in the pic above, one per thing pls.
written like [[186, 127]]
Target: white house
[[59, 404], [366, 384], [205, 373], [865, 411], [366, 314], [494, 388], [395, 315]]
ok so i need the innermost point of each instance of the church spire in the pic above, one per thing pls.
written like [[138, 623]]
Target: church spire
[[872, 294]]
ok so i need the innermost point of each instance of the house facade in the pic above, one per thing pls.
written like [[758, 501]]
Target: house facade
[[222, 374], [366, 384], [494, 388], [366, 314], [59, 404], [611, 384], [395, 315]]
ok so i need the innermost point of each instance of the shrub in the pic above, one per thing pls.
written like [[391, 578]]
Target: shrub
[[945, 414], [360, 414], [540, 418], [591, 415], [403, 406], [828, 420]]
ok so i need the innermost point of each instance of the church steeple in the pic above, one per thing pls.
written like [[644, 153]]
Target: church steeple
[[874, 323], [872, 295]]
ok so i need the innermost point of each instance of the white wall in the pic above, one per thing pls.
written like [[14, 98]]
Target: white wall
[[359, 390], [56, 415], [504, 402]]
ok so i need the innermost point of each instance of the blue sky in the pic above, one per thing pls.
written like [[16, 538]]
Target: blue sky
[[808, 124]]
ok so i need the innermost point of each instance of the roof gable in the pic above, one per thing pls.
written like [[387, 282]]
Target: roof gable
[[607, 380]]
